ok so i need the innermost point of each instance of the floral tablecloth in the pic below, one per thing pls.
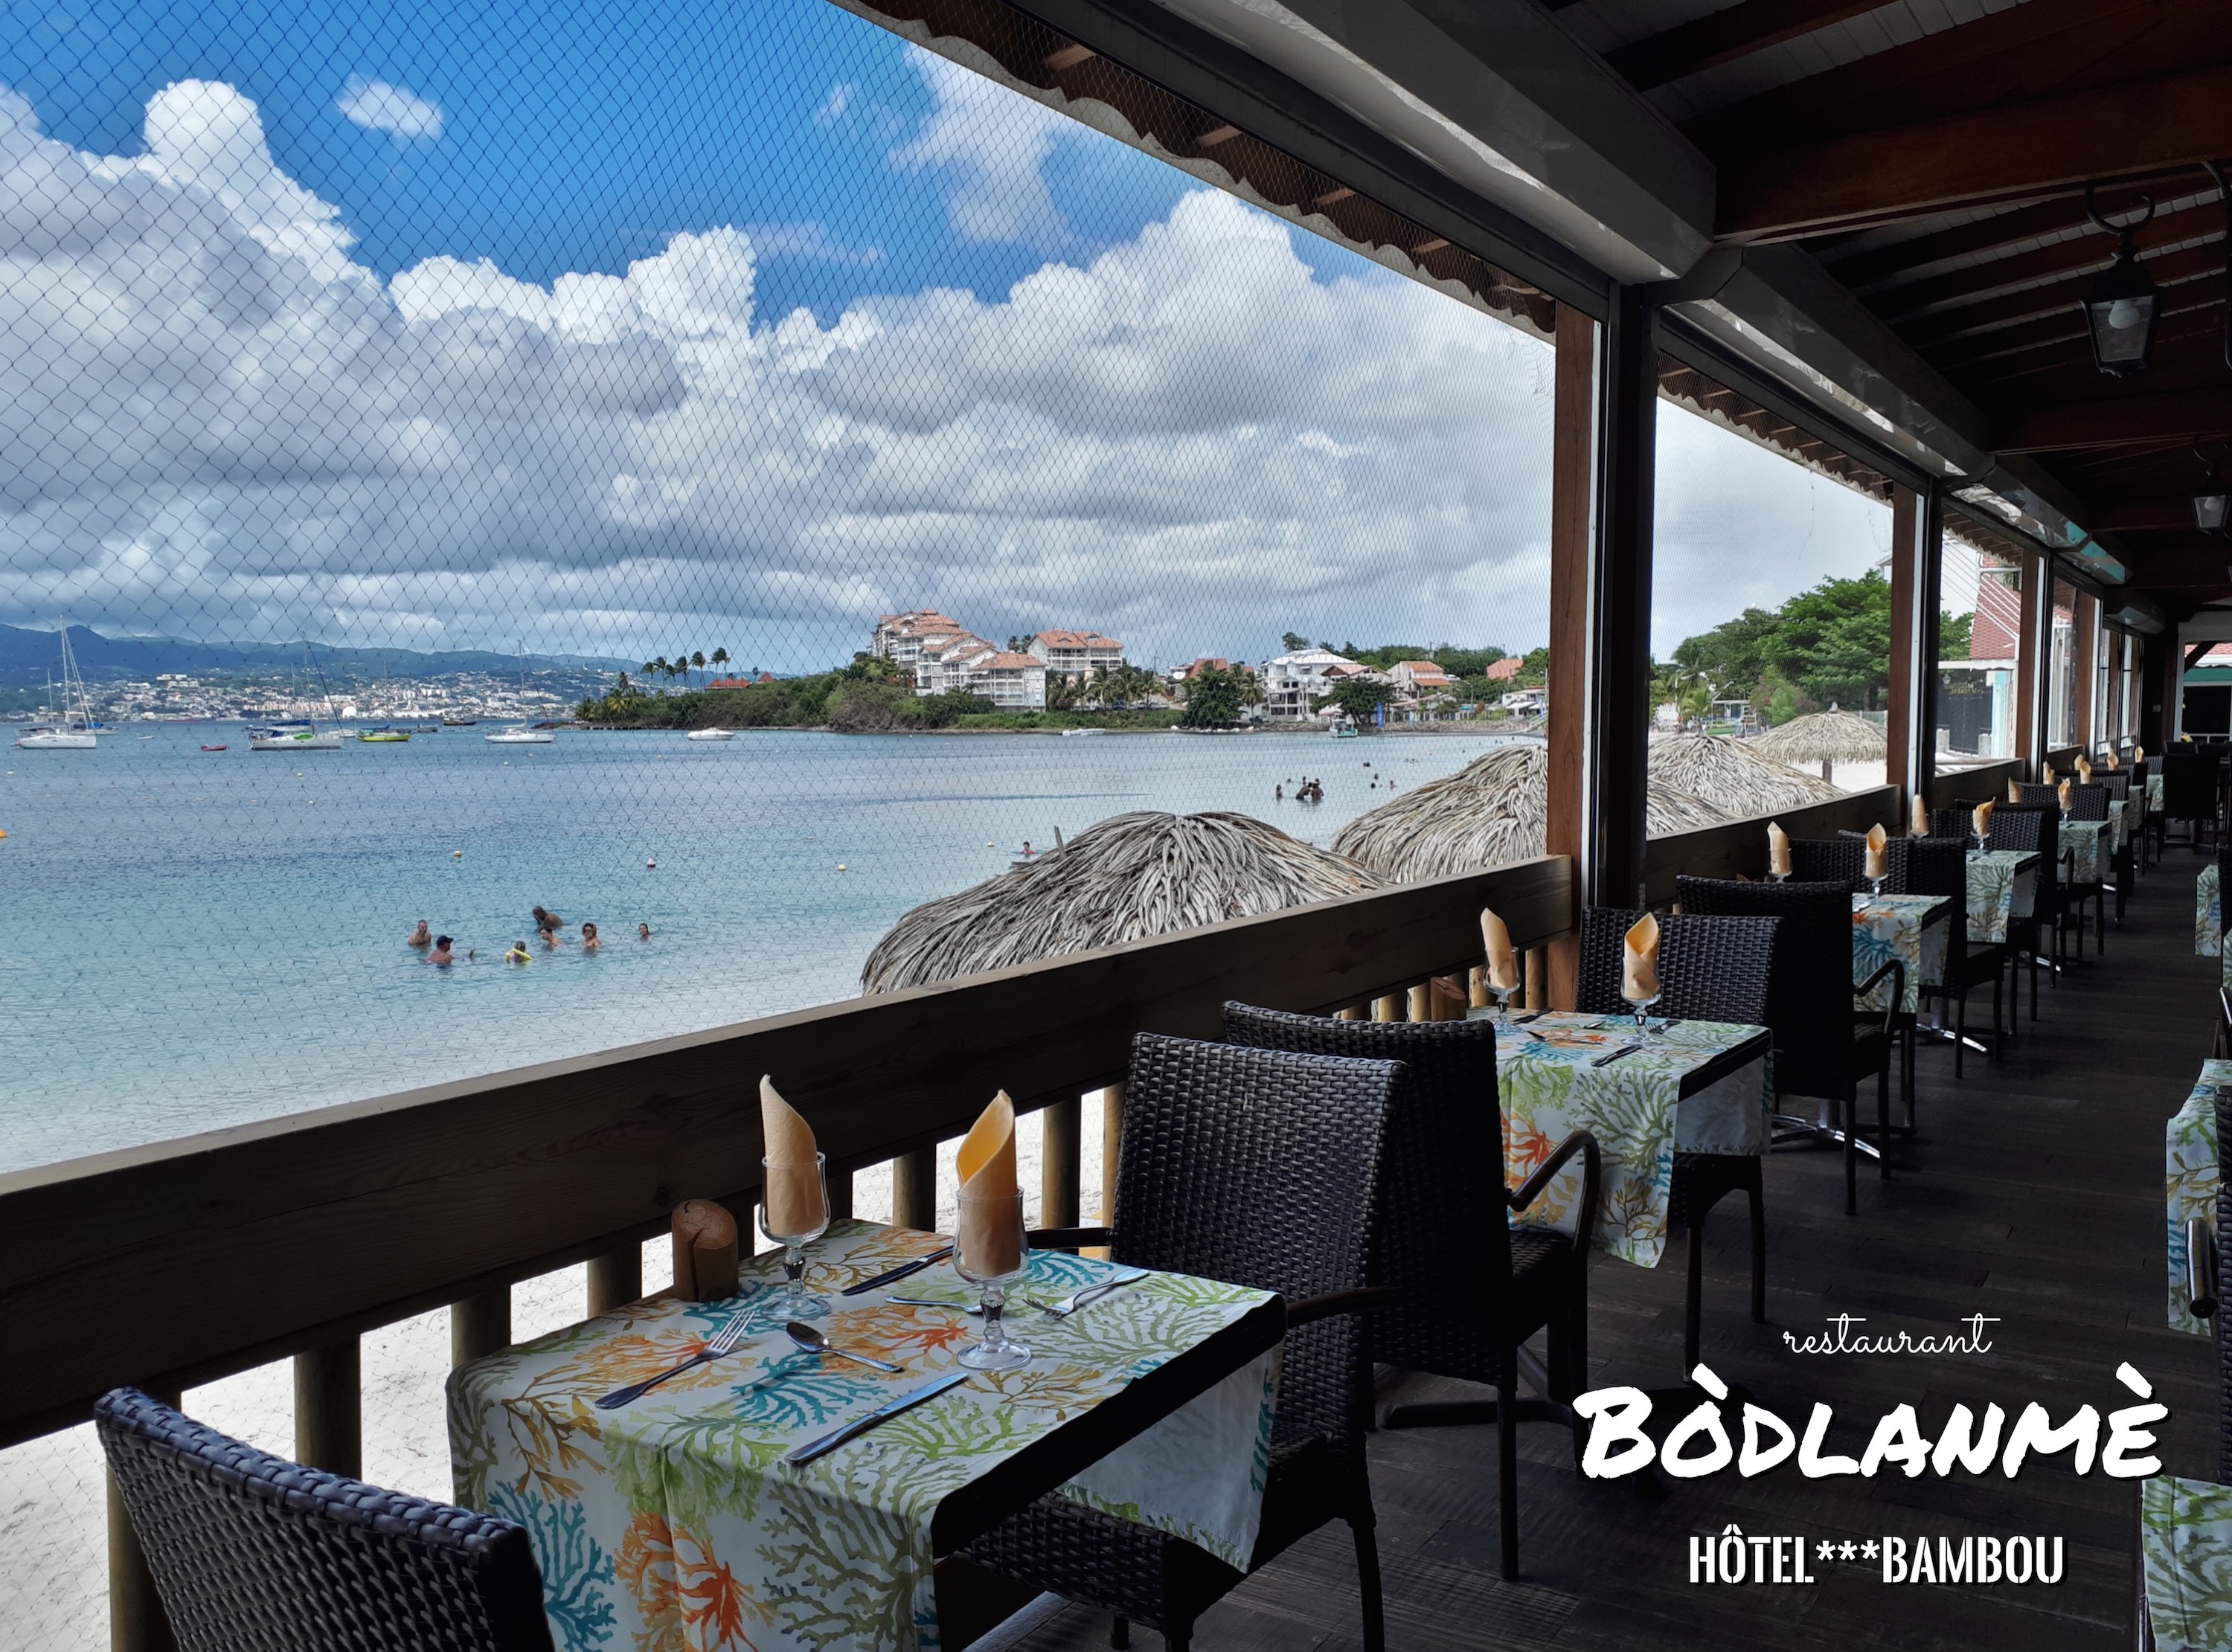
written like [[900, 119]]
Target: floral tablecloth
[[2119, 822], [2185, 1548], [2190, 1179], [2207, 914], [1634, 1106], [2154, 794], [2085, 838], [1897, 926], [2002, 885], [670, 1524]]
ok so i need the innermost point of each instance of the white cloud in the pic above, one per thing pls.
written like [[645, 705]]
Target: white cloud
[[810, 242], [214, 422], [834, 106], [378, 106], [987, 144]]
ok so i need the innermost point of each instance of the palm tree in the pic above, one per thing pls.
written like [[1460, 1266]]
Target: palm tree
[[720, 656], [697, 659]]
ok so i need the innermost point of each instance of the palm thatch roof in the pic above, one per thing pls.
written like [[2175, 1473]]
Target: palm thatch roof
[[1128, 877], [1823, 738], [1490, 811], [1734, 775]]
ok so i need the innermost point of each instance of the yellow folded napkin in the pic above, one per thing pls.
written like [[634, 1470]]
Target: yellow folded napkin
[[2048, 767], [2014, 790], [1778, 852], [2083, 772], [1879, 856], [2110, 756], [2062, 791], [2138, 754], [1502, 956], [1638, 975], [793, 1193], [704, 1251], [1918, 819], [990, 1233], [1981, 817]]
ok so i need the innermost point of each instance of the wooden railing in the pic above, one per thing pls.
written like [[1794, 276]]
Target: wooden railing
[[1738, 849], [1984, 781]]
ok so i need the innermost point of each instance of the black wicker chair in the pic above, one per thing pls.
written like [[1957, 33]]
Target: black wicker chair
[[1940, 866], [1821, 1049], [1475, 1287], [1709, 970], [1843, 859], [2189, 792], [2057, 867], [1261, 1168], [253, 1553], [2087, 803]]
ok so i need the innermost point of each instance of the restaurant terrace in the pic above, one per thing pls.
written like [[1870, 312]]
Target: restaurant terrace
[[1969, 260]]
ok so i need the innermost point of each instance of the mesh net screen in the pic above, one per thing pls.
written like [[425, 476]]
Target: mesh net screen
[[418, 421]]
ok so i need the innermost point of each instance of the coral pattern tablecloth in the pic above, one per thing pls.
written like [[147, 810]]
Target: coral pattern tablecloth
[[2154, 794], [2002, 885], [1635, 1108], [2119, 822], [2208, 915], [2185, 1547], [670, 1524], [2088, 839], [2190, 1180], [1897, 926]]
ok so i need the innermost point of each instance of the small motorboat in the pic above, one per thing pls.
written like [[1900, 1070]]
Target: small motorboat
[[216, 748], [459, 723], [384, 735], [520, 734], [711, 734]]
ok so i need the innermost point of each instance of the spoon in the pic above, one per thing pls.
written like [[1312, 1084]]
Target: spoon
[[815, 1343]]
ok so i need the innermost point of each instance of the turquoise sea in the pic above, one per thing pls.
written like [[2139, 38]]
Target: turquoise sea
[[190, 940]]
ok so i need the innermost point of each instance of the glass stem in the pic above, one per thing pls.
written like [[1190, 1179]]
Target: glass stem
[[793, 1271], [994, 1302]]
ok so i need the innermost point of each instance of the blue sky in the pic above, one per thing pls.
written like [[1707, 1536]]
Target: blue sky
[[490, 337]]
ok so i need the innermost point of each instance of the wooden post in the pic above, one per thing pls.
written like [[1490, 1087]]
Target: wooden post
[[1061, 1153], [614, 1278], [329, 1407], [1917, 574], [1420, 1004], [1389, 1009], [480, 1326], [1572, 423], [137, 1622], [1352, 1014], [2030, 668], [914, 1189], [1538, 977], [2083, 626], [1112, 1155], [840, 1193], [1476, 986]]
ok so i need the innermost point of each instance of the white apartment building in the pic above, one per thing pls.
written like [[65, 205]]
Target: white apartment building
[[1294, 683], [1419, 680], [1011, 682], [944, 662], [900, 638], [1076, 653]]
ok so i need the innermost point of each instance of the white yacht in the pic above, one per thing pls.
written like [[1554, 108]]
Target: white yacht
[[76, 731], [711, 733], [294, 736], [520, 734]]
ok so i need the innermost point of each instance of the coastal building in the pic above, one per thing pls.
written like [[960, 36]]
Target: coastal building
[[1011, 682], [1076, 653], [1420, 680], [942, 663], [1506, 669], [900, 638], [1294, 683]]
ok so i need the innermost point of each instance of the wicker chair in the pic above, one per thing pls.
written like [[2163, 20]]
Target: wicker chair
[[1475, 1287], [2086, 803], [1709, 970], [253, 1553], [1843, 859], [1821, 1049], [2057, 867], [2189, 792], [1262, 1168], [1940, 866]]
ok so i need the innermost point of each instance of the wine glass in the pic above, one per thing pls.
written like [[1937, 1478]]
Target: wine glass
[[1642, 1006], [794, 1300], [989, 1252]]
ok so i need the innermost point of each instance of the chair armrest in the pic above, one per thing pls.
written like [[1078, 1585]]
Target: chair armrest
[[1528, 1191], [1896, 969], [2201, 1268], [1069, 1238], [1371, 1300]]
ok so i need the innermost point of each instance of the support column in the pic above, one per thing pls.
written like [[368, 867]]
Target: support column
[[137, 1622], [1572, 451], [2030, 669], [617, 1277], [1917, 578], [480, 1324], [1613, 836], [2085, 683], [329, 1407], [914, 1189], [1059, 1159]]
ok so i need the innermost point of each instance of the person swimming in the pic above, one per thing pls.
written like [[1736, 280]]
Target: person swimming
[[518, 952], [643, 931], [589, 941], [1278, 794], [421, 936], [440, 956], [549, 922]]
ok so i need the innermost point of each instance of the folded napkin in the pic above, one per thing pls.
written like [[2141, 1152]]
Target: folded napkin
[[1918, 820], [2083, 772], [1777, 854], [989, 1234], [2014, 790], [2138, 754], [1981, 817], [1638, 975], [1879, 856], [793, 1192], [2062, 791], [1502, 956], [704, 1251], [2111, 757]]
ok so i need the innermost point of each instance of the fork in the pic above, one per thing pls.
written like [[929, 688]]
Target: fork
[[723, 1341]]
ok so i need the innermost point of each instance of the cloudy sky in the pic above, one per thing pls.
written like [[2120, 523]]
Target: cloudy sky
[[610, 331]]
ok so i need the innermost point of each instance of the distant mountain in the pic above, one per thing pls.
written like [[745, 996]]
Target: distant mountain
[[29, 657]]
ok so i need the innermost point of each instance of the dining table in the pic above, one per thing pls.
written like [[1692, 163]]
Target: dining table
[[1645, 1093], [2207, 914], [677, 1520], [2002, 887], [2185, 1560], [1909, 928], [2088, 841], [2190, 1179]]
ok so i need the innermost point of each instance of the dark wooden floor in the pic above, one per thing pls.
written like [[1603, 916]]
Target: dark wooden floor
[[2033, 1193]]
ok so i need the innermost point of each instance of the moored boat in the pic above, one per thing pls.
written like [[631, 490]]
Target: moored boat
[[711, 734], [294, 736]]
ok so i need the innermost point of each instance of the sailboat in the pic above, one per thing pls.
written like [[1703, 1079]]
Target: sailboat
[[301, 734], [76, 732], [520, 734]]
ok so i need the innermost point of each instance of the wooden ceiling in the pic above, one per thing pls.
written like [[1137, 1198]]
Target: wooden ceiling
[[1937, 167]]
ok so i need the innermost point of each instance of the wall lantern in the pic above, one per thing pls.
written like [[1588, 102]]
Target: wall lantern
[[2211, 504], [2122, 309]]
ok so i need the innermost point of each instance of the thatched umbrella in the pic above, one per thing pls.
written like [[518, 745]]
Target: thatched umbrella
[[1489, 811], [1130, 877], [1732, 773], [1823, 738]]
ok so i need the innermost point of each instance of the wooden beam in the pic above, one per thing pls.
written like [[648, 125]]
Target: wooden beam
[[1873, 264], [1723, 36], [2126, 420], [1990, 154], [1739, 847], [1573, 427], [2146, 515], [2171, 271], [2090, 251]]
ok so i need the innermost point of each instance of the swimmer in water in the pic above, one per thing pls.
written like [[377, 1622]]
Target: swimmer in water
[[548, 923], [1027, 851], [589, 941], [1278, 794], [518, 952], [439, 957], [651, 865], [421, 936], [643, 931]]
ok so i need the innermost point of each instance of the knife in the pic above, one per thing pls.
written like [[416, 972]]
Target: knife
[[1606, 1060], [798, 1455], [898, 1273]]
